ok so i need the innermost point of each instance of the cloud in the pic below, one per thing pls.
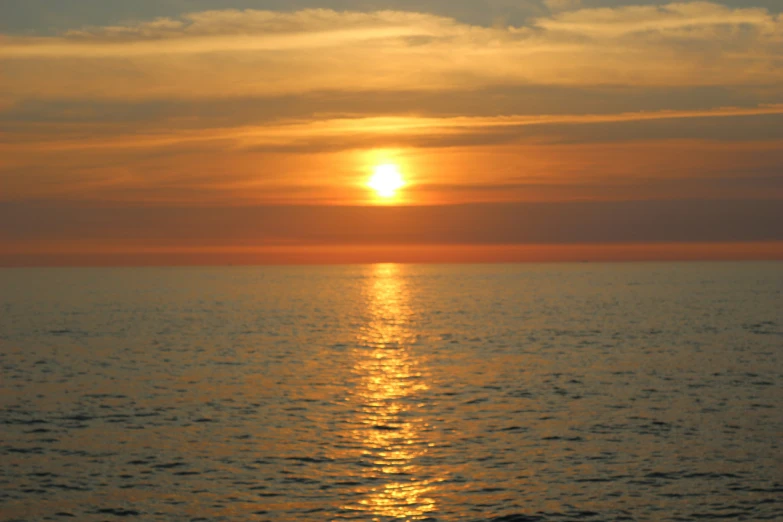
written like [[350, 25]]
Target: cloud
[[697, 20], [373, 132], [231, 53], [562, 5], [59, 117], [498, 223], [237, 108], [228, 32]]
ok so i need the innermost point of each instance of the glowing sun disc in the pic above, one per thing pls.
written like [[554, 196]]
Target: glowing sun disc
[[386, 180]]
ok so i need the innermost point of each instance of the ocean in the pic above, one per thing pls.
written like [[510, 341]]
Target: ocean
[[506, 393]]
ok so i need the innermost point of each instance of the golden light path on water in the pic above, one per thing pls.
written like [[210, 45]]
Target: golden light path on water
[[390, 381]]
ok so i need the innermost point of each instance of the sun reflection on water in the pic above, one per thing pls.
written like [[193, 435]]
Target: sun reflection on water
[[390, 429]]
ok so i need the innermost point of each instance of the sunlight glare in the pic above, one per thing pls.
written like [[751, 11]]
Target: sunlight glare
[[386, 180]]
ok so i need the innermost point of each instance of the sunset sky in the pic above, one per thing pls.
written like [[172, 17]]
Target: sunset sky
[[247, 131]]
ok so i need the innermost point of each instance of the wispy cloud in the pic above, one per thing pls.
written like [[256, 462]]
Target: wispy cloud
[[236, 53], [360, 132], [694, 20]]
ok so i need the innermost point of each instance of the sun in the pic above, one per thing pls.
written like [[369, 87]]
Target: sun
[[386, 180]]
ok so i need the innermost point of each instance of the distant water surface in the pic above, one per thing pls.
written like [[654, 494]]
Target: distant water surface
[[569, 392]]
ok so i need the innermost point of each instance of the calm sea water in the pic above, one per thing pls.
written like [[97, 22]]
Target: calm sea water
[[571, 392]]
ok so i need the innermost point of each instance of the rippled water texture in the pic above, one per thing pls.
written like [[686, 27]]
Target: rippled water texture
[[510, 393]]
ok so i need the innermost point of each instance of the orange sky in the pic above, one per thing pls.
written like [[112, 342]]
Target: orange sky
[[565, 130]]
